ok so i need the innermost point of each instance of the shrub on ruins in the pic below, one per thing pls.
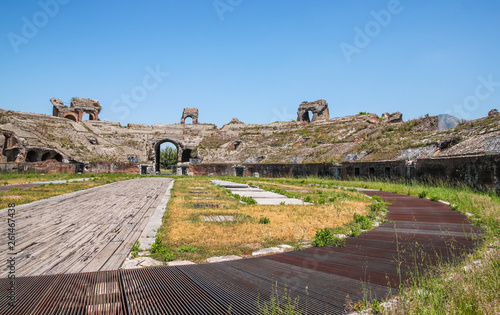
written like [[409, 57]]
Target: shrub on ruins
[[264, 220], [160, 252], [324, 237], [365, 222], [422, 194]]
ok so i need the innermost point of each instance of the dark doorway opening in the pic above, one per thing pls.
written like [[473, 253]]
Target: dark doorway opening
[[239, 171], [46, 156], [186, 155], [371, 171], [71, 117], [31, 156]]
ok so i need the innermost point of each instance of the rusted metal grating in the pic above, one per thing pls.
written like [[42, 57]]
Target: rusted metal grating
[[86, 293]]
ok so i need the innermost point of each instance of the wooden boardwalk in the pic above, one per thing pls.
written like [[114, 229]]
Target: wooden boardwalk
[[89, 230], [419, 234]]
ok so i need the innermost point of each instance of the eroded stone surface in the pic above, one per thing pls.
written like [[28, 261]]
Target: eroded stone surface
[[180, 263], [273, 250], [222, 258], [141, 262], [190, 112], [318, 108]]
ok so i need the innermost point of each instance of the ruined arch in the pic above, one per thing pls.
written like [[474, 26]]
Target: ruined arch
[[71, 116], [31, 156], [319, 110], [157, 151], [88, 115], [46, 156], [58, 157], [190, 112]]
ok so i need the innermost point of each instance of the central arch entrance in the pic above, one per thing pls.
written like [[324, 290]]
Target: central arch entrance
[[166, 155]]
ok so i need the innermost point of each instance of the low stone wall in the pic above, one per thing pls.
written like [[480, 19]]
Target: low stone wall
[[45, 167], [269, 170], [113, 167], [380, 169], [476, 171]]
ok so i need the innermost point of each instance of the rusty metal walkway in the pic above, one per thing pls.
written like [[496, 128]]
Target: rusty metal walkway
[[419, 233]]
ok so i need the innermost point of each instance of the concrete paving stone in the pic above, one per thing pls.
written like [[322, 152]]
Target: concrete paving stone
[[285, 246], [141, 262], [263, 197], [222, 258], [269, 250], [218, 218], [180, 263], [148, 235]]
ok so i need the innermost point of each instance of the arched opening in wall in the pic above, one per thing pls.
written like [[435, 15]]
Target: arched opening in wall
[[70, 117], [31, 156], [166, 157], [88, 116], [46, 156], [58, 157], [310, 116], [186, 155], [188, 120]]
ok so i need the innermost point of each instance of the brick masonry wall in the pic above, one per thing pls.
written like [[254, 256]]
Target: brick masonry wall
[[113, 167], [45, 167]]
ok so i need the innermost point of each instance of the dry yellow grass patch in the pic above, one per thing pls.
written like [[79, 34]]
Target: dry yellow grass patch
[[184, 224]]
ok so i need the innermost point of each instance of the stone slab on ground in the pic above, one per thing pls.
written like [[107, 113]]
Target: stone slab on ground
[[273, 250], [148, 235], [218, 218], [180, 263], [263, 197], [141, 262], [222, 258]]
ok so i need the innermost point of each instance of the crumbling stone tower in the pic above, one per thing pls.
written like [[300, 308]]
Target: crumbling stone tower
[[318, 108], [79, 106], [190, 112]]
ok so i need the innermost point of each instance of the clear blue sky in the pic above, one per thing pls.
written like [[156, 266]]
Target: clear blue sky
[[254, 60]]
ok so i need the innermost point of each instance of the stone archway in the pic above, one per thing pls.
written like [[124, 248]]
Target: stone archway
[[191, 112], [71, 116], [157, 151], [318, 110], [32, 156]]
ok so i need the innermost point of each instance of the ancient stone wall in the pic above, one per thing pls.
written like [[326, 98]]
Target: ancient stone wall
[[319, 110], [190, 112], [478, 171], [78, 107], [113, 167], [380, 169], [46, 167]]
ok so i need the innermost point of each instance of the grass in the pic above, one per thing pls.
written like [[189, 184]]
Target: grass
[[256, 226]]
